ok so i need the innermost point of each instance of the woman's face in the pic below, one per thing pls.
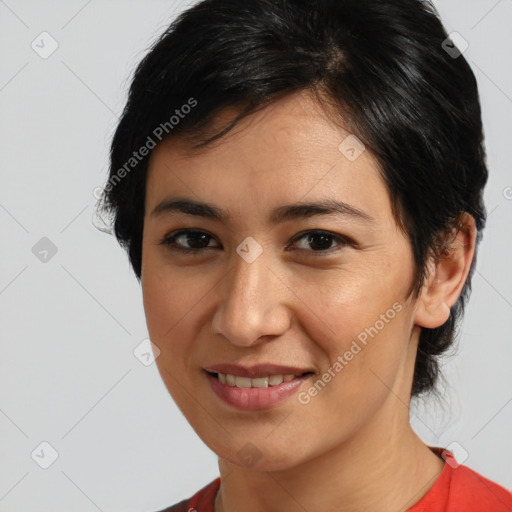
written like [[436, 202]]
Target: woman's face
[[267, 283]]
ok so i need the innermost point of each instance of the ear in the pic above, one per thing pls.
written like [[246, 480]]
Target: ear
[[446, 277]]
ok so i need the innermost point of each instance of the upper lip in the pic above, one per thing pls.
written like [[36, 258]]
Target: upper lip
[[256, 371]]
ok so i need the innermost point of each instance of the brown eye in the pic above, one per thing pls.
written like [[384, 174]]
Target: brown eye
[[188, 241], [321, 242]]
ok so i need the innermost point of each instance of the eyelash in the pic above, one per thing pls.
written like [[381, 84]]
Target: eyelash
[[169, 240]]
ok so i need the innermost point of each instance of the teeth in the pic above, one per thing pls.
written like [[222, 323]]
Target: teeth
[[275, 380], [242, 382], [260, 382]]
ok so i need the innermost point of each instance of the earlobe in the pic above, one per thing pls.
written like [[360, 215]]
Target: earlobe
[[446, 277]]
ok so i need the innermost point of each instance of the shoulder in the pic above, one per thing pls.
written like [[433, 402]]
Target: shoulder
[[201, 501], [461, 489], [471, 491]]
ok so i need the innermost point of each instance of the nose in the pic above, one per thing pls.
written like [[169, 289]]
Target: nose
[[253, 304]]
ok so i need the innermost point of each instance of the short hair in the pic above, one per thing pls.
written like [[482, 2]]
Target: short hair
[[380, 67]]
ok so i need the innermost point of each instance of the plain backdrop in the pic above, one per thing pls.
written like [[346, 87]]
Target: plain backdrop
[[71, 312]]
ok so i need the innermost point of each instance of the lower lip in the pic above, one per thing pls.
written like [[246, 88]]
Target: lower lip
[[253, 399]]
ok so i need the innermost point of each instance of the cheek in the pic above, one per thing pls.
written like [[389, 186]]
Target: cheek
[[361, 322], [346, 304], [170, 320], [169, 297], [175, 305], [160, 306]]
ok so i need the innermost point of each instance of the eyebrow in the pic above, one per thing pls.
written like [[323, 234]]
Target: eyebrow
[[278, 215]]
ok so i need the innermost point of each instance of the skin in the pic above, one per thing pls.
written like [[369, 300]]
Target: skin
[[351, 448]]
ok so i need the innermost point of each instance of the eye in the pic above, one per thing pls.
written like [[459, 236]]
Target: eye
[[198, 241], [316, 241], [321, 242]]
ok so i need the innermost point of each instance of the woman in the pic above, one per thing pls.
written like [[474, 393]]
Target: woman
[[299, 188]]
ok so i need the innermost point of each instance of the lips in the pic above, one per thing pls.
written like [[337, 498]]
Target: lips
[[258, 387]]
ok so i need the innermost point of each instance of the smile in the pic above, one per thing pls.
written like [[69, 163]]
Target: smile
[[258, 392]]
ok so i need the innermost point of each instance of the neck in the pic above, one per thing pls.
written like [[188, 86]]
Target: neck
[[386, 469]]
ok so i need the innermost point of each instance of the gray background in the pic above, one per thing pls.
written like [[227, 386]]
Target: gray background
[[69, 325]]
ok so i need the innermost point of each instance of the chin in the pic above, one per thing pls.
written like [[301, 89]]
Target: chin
[[257, 455]]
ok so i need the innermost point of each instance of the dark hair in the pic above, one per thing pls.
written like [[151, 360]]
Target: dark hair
[[379, 66]]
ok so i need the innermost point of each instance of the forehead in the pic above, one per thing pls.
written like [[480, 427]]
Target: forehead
[[287, 152], [296, 121]]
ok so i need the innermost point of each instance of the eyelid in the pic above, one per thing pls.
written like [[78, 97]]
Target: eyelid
[[340, 239], [166, 241]]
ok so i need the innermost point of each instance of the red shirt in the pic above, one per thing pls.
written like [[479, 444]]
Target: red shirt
[[457, 489]]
